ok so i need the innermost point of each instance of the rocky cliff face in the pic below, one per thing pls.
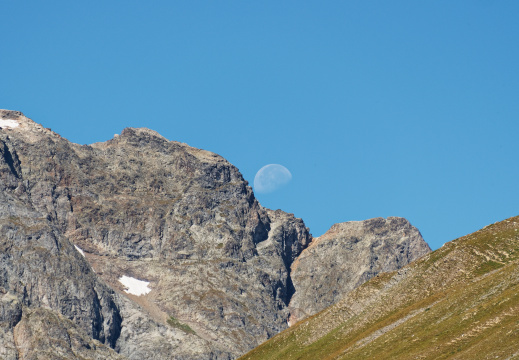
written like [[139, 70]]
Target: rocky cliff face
[[181, 218], [40, 268], [74, 219], [348, 255]]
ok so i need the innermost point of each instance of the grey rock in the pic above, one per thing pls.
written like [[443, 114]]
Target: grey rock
[[39, 267], [139, 205], [44, 334], [348, 255], [225, 273], [10, 316]]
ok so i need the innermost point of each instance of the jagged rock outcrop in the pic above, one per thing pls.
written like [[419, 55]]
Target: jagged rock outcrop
[[348, 255], [44, 334], [157, 210]]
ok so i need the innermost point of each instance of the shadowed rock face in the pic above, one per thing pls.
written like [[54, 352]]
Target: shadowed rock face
[[222, 269], [43, 334], [348, 255]]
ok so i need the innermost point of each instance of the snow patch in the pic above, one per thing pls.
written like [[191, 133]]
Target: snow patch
[[9, 123], [80, 251], [135, 287]]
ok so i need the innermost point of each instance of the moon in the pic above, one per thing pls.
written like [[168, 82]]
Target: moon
[[271, 177]]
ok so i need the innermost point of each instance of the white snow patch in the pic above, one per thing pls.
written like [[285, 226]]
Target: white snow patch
[[9, 123], [135, 287], [80, 251]]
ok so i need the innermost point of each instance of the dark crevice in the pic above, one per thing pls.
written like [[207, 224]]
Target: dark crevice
[[12, 162], [107, 320], [97, 319], [115, 325], [291, 290], [289, 257]]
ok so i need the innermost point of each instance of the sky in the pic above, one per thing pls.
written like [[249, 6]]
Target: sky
[[377, 108]]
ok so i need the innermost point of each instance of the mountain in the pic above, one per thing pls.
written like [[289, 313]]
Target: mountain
[[348, 255], [140, 247], [458, 302]]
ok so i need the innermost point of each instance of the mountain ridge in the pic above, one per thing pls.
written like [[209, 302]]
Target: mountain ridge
[[460, 302], [373, 246], [183, 219]]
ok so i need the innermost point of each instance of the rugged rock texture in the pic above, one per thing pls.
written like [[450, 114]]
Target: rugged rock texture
[[220, 266], [40, 268], [139, 205], [348, 255], [43, 334]]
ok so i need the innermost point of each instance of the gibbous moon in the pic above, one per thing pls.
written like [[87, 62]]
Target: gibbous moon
[[271, 177]]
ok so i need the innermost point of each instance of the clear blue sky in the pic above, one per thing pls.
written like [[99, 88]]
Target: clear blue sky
[[378, 108]]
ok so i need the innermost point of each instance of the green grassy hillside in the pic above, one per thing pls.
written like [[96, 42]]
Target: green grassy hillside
[[458, 302]]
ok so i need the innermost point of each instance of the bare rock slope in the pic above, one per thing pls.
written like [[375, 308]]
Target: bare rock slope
[[348, 255], [76, 218], [180, 218]]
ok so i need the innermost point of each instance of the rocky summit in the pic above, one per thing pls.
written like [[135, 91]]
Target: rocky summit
[[348, 255], [140, 247]]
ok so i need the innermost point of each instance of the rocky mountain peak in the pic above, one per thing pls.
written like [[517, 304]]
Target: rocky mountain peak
[[346, 256], [10, 114], [142, 133], [12, 122], [222, 272], [139, 206], [10, 119]]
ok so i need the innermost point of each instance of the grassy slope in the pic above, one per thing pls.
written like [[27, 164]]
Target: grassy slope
[[459, 302]]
